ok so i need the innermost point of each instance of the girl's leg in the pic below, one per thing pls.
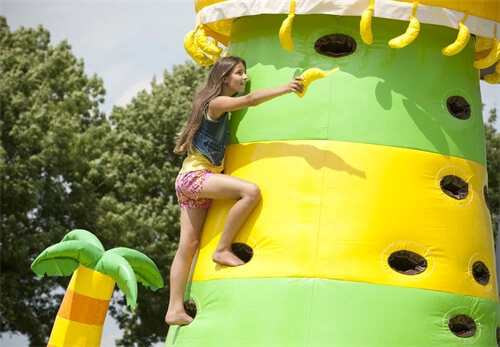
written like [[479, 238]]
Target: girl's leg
[[191, 225], [247, 195]]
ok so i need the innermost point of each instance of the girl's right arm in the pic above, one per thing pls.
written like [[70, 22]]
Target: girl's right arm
[[222, 104]]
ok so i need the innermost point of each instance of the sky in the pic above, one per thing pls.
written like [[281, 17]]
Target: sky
[[126, 43]]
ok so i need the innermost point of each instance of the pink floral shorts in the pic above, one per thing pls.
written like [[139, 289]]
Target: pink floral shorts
[[188, 186]]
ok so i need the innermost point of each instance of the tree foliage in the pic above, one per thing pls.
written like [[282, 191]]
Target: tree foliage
[[64, 166], [48, 107], [493, 159]]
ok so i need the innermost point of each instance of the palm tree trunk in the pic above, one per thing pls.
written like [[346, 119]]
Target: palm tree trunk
[[81, 316]]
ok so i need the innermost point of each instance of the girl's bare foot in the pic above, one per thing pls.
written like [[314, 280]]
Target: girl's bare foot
[[227, 258], [178, 318]]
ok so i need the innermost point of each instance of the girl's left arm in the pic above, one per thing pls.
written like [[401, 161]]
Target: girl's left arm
[[223, 104]]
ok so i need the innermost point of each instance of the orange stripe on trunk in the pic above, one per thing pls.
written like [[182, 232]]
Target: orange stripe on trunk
[[83, 309]]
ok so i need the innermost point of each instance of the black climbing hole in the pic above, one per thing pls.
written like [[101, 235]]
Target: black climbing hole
[[407, 262], [458, 107], [242, 251], [455, 187], [190, 307], [335, 45], [486, 198], [498, 336], [480, 272], [462, 325]]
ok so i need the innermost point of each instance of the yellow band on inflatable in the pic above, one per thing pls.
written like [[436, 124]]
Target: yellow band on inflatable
[[338, 210], [91, 283], [70, 333]]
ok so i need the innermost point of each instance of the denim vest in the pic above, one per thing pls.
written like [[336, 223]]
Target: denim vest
[[211, 138]]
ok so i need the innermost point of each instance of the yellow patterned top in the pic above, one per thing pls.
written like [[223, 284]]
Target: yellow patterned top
[[197, 161]]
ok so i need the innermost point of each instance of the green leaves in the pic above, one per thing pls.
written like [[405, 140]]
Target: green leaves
[[63, 258], [85, 236], [122, 273], [144, 268], [66, 165], [125, 266], [492, 138], [47, 106]]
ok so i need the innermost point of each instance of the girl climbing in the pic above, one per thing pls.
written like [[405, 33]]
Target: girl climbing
[[200, 180]]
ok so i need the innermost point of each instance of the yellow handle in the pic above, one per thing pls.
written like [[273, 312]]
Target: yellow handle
[[461, 41], [491, 58], [313, 74], [483, 43], [285, 33], [365, 26], [411, 32], [493, 78]]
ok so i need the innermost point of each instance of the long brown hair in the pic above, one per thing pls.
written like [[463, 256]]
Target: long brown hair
[[213, 87]]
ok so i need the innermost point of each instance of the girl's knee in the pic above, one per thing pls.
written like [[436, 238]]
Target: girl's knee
[[253, 192], [188, 248], [193, 246]]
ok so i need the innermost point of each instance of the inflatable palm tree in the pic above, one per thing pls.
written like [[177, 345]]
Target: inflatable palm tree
[[81, 316], [373, 229]]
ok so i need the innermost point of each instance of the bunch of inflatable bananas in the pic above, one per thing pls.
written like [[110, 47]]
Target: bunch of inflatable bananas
[[491, 46], [203, 50]]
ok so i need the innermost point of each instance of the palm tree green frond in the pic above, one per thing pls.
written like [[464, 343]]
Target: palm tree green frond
[[117, 267], [63, 258], [83, 235], [124, 265], [145, 269], [58, 267]]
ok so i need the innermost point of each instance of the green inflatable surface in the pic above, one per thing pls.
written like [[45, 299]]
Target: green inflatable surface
[[321, 312], [380, 95]]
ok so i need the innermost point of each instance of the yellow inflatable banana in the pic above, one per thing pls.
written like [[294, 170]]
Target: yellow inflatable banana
[[483, 43], [461, 41], [217, 36], [365, 26], [493, 78], [410, 34], [194, 51], [313, 74], [207, 46], [491, 58], [218, 56], [286, 29]]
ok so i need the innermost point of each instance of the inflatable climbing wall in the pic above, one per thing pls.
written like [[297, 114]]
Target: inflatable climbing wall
[[373, 229]]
